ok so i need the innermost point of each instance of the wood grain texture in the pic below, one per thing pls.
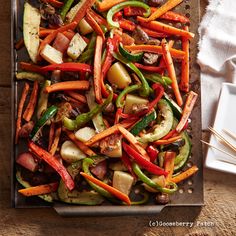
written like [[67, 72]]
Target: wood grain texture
[[219, 190]]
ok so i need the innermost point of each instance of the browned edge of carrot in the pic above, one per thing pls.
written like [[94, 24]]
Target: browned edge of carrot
[[184, 175], [56, 140], [20, 110]]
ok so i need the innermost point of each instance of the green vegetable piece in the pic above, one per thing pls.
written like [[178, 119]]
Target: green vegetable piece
[[30, 76], [184, 152], [177, 110], [145, 89], [119, 100], [66, 7], [142, 124], [130, 56], [122, 5], [162, 129], [47, 115], [151, 183], [84, 118], [157, 78], [75, 197]]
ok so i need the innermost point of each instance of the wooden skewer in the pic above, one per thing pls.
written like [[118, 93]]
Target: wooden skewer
[[225, 141], [210, 145], [231, 134]]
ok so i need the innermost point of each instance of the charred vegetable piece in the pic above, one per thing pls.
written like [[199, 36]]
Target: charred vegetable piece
[[130, 56], [47, 115], [74, 196], [160, 130], [86, 117], [30, 76], [143, 123]]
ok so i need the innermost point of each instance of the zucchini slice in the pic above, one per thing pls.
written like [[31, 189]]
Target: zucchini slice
[[31, 23]]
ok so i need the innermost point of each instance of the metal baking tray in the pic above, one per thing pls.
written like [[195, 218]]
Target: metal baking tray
[[190, 192]]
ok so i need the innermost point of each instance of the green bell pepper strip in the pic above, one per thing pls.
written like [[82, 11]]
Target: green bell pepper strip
[[151, 183], [122, 5], [130, 56], [119, 100], [66, 7], [82, 119], [47, 115], [89, 52], [156, 78], [145, 89]]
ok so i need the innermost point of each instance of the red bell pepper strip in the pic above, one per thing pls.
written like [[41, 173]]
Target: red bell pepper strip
[[142, 162], [107, 187], [54, 163], [152, 153], [150, 68], [172, 133], [128, 164], [169, 15], [126, 24], [111, 46], [68, 66]]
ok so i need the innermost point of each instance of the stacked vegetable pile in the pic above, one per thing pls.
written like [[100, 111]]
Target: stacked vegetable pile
[[104, 119]]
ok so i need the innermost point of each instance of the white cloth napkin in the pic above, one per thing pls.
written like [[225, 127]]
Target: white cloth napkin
[[217, 54]]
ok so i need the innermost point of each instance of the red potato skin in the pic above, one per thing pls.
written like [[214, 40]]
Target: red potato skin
[[27, 160], [61, 42]]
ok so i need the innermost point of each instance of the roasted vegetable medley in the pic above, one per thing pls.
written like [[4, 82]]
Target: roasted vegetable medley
[[105, 101]]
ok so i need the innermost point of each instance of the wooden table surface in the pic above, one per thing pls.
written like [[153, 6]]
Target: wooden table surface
[[217, 217]]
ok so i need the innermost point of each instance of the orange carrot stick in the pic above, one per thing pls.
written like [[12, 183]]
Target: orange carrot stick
[[38, 190], [107, 4], [154, 34], [161, 27], [20, 109], [94, 24], [167, 141], [162, 61], [52, 35], [29, 111], [130, 137], [54, 145], [102, 135], [51, 135], [171, 71], [68, 85], [79, 144], [69, 34], [84, 6], [163, 9], [97, 69], [184, 175], [76, 96], [45, 32], [155, 49], [107, 187], [184, 82], [100, 20], [169, 164], [188, 107]]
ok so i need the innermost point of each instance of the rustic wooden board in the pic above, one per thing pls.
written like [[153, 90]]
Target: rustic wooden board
[[219, 189]]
